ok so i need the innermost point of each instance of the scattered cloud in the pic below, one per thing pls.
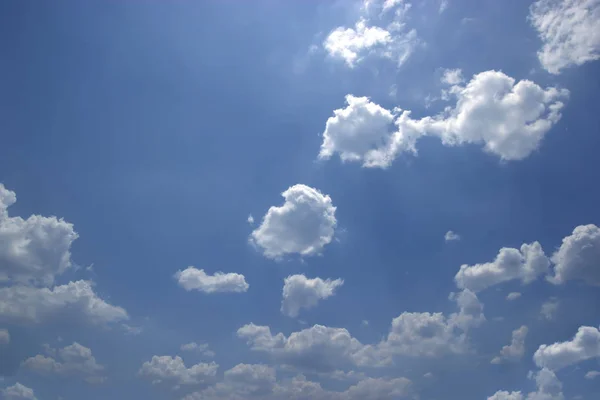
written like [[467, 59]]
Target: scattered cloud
[[524, 264], [300, 292], [18, 392], [549, 309], [577, 258], [199, 348], [592, 374], [508, 118], [512, 296], [443, 6], [250, 219], [584, 345], [303, 225], [451, 236], [72, 360], [568, 30], [196, 279], [452, 76], [4, 336], [172, 370], [515, 350], [548, 388]]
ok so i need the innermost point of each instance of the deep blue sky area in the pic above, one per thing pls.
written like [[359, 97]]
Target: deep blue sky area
[[157, 127]]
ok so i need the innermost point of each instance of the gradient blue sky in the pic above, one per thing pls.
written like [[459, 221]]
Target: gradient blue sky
[[157, 127]]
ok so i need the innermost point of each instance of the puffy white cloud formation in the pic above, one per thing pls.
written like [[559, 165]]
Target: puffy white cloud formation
[[303, 225], [578, 258], [172, 370], [70, 360], [196, 279], [240, 382], [524, 264], [4, 336], [451, 236], [508, 118], [378, 32], [200, 348], [569, 30], [25, 304], [584, 345], [18, 392], [452, 76], [515, 350], [32, 250], [548, 388], [301, 292], [549, 309]]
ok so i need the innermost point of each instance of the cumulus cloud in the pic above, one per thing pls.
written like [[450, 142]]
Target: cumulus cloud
[[200, 348], [578, 258], [524, 264], [515, 350], [452, 76], [18, 392], [4, 336], [451, 236], [303, 225], [378, 32], [196, 279], [240, 382], [25, 304], [549, 309], [301, 292], [584, 345], [513, 296], [508, 118], [172, 370], [548, 388], [569, 30], [70, 360], [32, 250], [592, 374]]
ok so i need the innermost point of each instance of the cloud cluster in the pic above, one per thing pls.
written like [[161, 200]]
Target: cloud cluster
[[515, 350], [584, 345], [199, 348], [196, 279], [548, 388], [577, 258], [172, 370], [301, 292], [569, 30], [18, 392], [508, 118], [303, 225]]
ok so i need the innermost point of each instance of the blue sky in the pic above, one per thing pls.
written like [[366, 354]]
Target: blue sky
[[138, 138]]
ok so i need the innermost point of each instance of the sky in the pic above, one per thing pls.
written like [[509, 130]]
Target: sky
[[334, 200]]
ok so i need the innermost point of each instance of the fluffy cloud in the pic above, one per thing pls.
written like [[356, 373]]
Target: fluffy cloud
[[592, 374], [452, 76], [25, 304], [301, 292], [196, 279], [4, 336], [32, 250], [549, 309], [18, 392], [584, 345], [303, 225], [70, 360], [569, 30], [173, 370], [513, 296], [515, 350], [578, 258], [548, 388], [508, 118], [378, 32], [451, 236], [525, 264], [240, 382], [200, 348]]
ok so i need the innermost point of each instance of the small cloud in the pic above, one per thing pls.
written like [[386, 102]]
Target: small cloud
[[452, 76], [549, 309], [592, 375], [428, 375], [250, 219], [364, 322], [513, 296], [450, 236], [443, 6], [132, 330], [393, 91]]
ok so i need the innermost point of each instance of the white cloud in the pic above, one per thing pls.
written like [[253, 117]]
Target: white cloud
[[250, 219], [504, 395], [303, 225], [513, 296], [592, 374], [569, 30], [18, 392], [25, 304], [443, 6], [301, 292], [374, 34], [515, 350], [196, 279], [172, 370], [4, 336], [584, 345], [525, 264], [32, 250], [200, 348], [450, 236], [240, 382], [70, 360], [452, 76], [549, 309], [508, 118], [548, 388], [578, 258]]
